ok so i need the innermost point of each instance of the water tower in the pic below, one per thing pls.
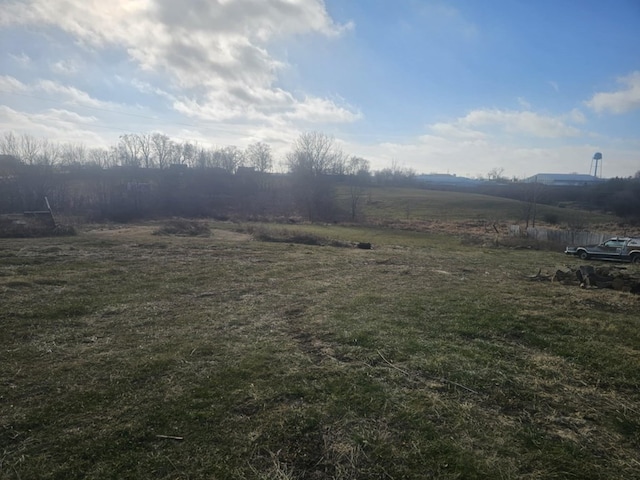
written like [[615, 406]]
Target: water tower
[[595, 162]]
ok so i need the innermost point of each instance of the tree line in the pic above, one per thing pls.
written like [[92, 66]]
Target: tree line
[[147, 175], [151, 150], [618, 196], [151, 175]]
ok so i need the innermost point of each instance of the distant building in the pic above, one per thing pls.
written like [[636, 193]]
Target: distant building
[[563, 179], [445, 179]]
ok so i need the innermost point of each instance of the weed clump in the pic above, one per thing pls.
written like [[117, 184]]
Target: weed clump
[[181, 227], [284, 235]]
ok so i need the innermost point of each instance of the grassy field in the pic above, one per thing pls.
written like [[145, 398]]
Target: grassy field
[[129, 355], [401, 205]]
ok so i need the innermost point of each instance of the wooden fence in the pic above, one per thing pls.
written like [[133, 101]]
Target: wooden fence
[[564, 237]]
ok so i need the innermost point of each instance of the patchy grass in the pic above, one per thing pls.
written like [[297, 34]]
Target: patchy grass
[[180, 226], [421, 208], [424, 357], [302, 236]]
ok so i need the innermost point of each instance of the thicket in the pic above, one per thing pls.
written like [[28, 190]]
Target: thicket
[[147, 176], [125, 194], [620, 196]]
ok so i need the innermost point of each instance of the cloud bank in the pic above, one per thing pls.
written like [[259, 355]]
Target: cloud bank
[[621, 101], [213, 53]]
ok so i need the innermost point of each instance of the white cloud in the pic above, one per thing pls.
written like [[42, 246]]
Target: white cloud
[[22, 59], [318, 110], [575, 116], [521, 122], [11, 84], [214, 52], [268, 106], [521, 142], [621, 101], [57, 125], [61, 93], [65, 67], [439, 154], [455, 131]]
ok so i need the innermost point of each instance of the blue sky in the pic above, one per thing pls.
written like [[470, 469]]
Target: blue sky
[[463, 87]]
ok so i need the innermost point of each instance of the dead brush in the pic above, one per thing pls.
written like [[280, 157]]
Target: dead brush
[[284, 235], [182, 227]]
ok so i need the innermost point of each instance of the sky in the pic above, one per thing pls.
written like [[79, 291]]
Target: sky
[[445, 86]]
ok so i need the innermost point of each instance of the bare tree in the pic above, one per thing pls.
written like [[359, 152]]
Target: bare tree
[[259, 157], [530, 207], [162, 149], [189, 154], [359, 177], [37, 182], [175, 153], [29, 149], [314, 158], [50, 153], [9, 145], [73, 154], [228, 158], [99, 157], [496, 174], [129, 150], [314, 154], [358, 166], [203, 158], [396, 174], [145, 147]]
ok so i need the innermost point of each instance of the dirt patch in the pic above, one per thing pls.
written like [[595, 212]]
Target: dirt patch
[[230, 236], [147, 232], [184, 228]]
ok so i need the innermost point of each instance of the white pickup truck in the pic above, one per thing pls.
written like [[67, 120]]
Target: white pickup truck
[[621, 249]]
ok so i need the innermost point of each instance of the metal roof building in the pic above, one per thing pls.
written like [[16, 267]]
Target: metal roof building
[[445, 179], [563, 179]]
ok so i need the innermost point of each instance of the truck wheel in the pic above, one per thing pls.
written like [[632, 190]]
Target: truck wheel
[[583, 255], [635, 259]]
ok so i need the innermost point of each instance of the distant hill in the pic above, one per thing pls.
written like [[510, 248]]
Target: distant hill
[[397, 203]]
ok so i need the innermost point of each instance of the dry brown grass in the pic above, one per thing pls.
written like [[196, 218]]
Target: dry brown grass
[[425, 357]]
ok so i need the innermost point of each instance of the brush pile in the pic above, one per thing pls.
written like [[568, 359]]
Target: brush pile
[[616, 277]]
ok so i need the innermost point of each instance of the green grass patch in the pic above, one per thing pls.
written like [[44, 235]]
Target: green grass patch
[[406, 206]]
